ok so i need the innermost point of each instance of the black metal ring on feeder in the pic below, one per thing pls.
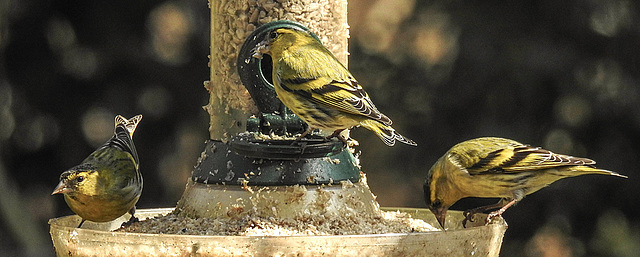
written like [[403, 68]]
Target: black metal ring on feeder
[[220, 163], [256, 75], [283, 150]]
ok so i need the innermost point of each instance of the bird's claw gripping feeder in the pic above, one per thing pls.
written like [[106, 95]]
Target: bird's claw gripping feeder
[[245, 172]]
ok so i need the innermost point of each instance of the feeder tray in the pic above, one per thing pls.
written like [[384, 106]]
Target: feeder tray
[[97, 239]]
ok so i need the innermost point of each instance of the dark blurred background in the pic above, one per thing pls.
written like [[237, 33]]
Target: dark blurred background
[[558, 74]]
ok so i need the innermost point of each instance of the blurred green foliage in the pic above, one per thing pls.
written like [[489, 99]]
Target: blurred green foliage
[[558, 74]]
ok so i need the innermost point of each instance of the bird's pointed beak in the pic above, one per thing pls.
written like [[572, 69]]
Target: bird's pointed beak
[[61, 188], [261, 48], [441, 215]]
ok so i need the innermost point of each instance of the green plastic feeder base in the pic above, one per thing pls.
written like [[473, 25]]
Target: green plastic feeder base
[[245, 161]]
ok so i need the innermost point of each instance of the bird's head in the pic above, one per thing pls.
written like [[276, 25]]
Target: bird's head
[[439, 193], [434, 203], [80, 179], [278, 40]]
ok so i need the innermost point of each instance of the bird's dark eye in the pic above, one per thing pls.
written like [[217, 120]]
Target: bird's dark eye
[[79, 179], [437, 203], [273, 34]]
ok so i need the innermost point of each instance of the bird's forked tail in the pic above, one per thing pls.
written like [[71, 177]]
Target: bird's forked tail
[[387, 134], [129, 124]]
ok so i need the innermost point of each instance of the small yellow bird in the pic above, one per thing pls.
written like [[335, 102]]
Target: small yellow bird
[[108, 183], [310, 81], [492, 167]]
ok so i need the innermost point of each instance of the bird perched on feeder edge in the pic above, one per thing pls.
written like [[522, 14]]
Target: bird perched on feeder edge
[[314, 85], [108, 183], [492, 167]]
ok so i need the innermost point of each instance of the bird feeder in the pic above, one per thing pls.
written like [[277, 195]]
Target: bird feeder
[[253, 165]]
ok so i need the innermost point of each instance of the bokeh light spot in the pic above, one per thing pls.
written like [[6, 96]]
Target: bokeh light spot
[[154, 101], [603, 77], [35, 132], [378, 32], [610, 16], [559, 141], [435, 38], [80, 62], [97, 126], [574, 111], [170, 27], [7, 120], [615, 236], [554, 240], [60, 34]]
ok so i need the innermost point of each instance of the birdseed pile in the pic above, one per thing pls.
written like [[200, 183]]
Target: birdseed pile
[[307, 225], [318, 218]]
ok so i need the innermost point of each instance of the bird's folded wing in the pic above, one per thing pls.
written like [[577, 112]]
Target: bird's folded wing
[[345, 96], [518, 158]]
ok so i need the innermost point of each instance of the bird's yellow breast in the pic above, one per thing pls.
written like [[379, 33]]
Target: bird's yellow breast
[[99, 208]]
